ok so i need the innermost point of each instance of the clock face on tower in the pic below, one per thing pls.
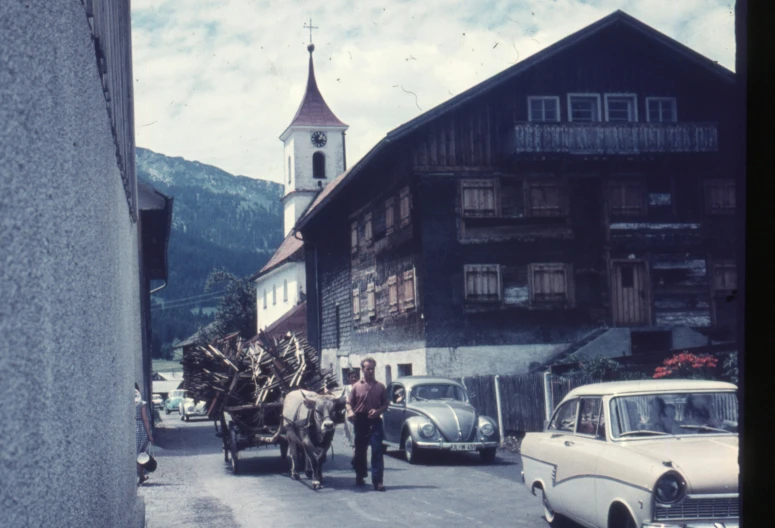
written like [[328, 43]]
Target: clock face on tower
[[318, 139]]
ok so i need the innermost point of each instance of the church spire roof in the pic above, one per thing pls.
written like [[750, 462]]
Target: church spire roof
[[313, 110]]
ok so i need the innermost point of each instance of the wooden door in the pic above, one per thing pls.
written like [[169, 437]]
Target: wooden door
[[630, 299]]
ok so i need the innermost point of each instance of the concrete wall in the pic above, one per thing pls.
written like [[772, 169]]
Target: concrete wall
[[70, 316], [294, 274], [488, 360], [416, 358]]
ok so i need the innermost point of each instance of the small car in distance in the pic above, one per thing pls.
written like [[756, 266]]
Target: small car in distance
[[435, 414], [157, 401], [639, 454], [172, 403], [189, 408]]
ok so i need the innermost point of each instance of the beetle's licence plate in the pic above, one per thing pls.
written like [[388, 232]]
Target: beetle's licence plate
[[463, 447]]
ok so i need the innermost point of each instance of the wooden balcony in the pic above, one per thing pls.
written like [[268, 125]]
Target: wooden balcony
[[611, 138]]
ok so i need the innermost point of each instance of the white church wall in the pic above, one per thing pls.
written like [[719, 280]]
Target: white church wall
[[286, 276]]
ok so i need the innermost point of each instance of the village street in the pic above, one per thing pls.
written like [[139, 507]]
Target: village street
[[194, 487]]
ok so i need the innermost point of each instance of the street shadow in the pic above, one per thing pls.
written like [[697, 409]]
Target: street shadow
[[457, 459], [149, 484]]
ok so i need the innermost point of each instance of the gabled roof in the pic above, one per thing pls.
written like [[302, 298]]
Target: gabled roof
[[616, 18], [291, 249], [313, 110]]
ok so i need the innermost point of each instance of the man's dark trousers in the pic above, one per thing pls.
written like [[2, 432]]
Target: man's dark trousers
[[369, 433]]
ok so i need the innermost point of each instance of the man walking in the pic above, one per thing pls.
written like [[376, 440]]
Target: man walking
[[365, 405]]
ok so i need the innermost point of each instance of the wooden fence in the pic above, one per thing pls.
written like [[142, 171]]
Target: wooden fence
[[524, 406]]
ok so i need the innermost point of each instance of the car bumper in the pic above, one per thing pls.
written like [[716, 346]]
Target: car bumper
[[456, 446], [732, 523]]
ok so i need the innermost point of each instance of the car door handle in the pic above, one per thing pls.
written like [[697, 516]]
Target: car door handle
[[568, 443]]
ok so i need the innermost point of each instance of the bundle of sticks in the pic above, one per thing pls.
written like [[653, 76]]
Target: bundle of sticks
[[250, 379]]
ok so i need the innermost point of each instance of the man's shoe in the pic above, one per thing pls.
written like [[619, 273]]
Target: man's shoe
[[379, 487], [359, 481]]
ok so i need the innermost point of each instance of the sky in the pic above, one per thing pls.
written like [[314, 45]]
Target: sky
[[217, 81]]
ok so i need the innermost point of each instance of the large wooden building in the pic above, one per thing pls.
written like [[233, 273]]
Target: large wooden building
[[583, 198]]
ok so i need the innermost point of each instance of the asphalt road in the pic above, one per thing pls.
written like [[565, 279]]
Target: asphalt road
[[194, 487]]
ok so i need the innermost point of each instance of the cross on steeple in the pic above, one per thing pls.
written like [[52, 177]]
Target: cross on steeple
[[310, 27]]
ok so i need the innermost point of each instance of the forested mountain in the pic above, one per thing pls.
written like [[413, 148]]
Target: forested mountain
[[218, 221]]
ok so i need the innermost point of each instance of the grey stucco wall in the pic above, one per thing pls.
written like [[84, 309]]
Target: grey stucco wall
[[70, 310], [488, 360]]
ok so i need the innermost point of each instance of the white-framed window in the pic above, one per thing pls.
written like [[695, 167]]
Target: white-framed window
[[550, 283], [392, 283], [583, 108], [482, 282], [479, 197], [621, 108], [285, 290], [661, 110], [541, 108]]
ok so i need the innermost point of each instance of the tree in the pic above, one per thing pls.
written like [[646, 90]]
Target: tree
[[236, 310]]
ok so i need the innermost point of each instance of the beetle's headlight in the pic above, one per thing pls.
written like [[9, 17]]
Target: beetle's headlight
[[428, 430], [487, 429], [669, 488]]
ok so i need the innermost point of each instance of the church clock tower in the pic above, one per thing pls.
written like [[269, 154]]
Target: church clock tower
[[314, 150]]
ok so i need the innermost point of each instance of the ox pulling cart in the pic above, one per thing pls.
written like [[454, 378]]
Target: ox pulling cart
[[246, 382]]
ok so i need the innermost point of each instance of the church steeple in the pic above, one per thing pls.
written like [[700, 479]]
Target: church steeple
[[313, 110]]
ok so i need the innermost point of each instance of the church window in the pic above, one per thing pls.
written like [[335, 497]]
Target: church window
[[289, 169], [264, 298], [274, 294], [319, 165], [285, 290]]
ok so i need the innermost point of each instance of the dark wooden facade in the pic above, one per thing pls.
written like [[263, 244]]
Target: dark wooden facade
[[533, 232]]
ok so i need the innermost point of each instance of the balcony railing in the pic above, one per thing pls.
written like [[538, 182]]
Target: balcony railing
[[611, 138]]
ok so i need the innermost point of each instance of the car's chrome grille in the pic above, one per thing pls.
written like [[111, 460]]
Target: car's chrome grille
[[717, 508]]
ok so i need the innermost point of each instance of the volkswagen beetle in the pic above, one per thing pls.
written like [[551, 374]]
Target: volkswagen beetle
[[189, 408], [172, 403], [639, 454], [431, 413]]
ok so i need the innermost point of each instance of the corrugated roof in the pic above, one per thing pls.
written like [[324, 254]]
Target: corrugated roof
[[617, 17], [313, 110]]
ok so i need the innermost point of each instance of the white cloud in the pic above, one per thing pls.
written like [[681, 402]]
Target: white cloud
[[218, 80]]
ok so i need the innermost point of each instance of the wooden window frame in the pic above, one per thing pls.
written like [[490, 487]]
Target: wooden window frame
[[633, 101], [530, 183], [649, 100], [354, 237], [470, 297], [392, 283], [405, 201], [723, 265], [725, 184], [567, 269], [371, 300], [405, 302], [532, 98], [595, 96], [623, 212], [356, 303], [390, 215], [489, 183]]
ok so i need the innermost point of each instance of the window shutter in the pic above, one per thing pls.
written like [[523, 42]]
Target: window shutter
[[370, 300], [549, 283], [482, 282], [479, 198], [720, 196], [626, 199], [392, 294], [367, 232], [408, 290], [356, 303], [389, 215], [354, 237], [725, 277], [405, 206], [546, 199]]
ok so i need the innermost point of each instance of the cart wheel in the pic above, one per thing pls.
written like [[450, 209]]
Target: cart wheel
[[283, 449], [224, 439], [235, 464]]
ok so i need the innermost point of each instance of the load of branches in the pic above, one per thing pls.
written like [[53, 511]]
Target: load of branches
[[249, 379]]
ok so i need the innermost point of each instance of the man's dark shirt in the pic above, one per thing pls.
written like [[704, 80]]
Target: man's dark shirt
[[363, 399]]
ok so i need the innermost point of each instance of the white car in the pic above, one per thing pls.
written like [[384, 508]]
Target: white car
[[190, 408], [639, 454], [158, 401]]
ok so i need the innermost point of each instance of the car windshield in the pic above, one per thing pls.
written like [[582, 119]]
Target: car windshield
[[674, 414], [437, 391]]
